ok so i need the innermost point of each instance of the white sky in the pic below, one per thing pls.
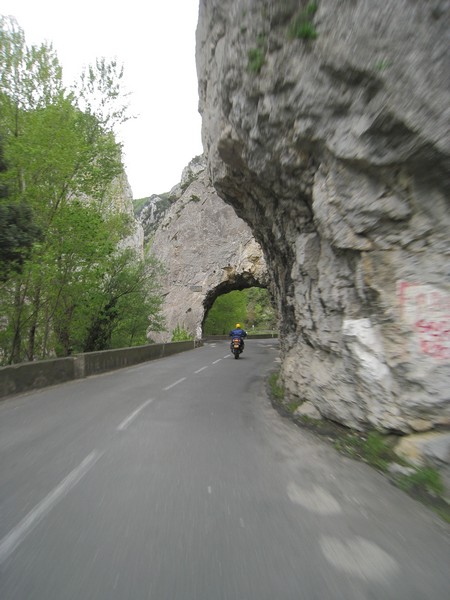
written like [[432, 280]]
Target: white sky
[[155, 41]]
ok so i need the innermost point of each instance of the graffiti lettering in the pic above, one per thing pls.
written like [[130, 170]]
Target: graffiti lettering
[[427, 310]]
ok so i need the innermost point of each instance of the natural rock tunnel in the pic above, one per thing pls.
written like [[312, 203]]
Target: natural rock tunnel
[[207, 250], [237, 281], [335, 151]]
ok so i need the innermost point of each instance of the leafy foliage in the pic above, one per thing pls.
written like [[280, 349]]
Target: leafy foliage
[[251, 307], [372, 448], [425, 477], [179, 334], [67, 284], [256, 59], [276, 388], [226, 311], [257, 56], [18, 232], [302, 26]]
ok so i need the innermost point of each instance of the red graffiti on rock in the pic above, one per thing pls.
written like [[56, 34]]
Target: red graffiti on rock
[[427, 310]]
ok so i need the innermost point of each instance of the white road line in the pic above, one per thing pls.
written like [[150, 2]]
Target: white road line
[[216, 361], [174, 384], [209, 489], [199, 370], [227, 356], [133, 415], [16, 536]]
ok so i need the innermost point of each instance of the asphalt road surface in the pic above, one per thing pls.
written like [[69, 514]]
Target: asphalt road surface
[[176, 480]]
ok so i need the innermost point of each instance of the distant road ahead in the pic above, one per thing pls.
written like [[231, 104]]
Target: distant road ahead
[[176, 480]]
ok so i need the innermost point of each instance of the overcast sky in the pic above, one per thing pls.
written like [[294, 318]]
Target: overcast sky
[[155, 40]]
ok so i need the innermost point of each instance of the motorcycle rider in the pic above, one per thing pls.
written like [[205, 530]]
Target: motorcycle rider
[[239, 332]]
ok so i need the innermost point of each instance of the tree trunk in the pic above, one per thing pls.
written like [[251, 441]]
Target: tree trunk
[[15, 355], [33, 326]]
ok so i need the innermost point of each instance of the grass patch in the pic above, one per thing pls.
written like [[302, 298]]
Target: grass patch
[[373, 448], [443, 512], [292, 406], [190, 179], [256, 59], [425, 478], [302, 26], [179, 334], [257, 56], [276, 389], [309, 421], [423, 484]]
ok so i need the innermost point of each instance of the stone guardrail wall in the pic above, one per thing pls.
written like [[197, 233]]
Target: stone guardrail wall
[[23, 377]]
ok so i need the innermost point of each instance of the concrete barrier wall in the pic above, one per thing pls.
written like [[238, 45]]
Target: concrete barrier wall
[[33, 375], [16, 379]]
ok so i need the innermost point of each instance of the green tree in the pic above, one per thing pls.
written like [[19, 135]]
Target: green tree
[[250, 307], [226, 311], [179, 334], [71, 287], [260, 311], [128, 303]]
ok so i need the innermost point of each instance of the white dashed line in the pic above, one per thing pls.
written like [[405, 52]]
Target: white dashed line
[[16, 536], [133, 415], [209, 489], [216, 361], [227, 356], [174, 384], [199, 370]]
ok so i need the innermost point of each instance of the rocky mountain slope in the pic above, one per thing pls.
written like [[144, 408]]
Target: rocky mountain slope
[[151, 211], [206, 250]]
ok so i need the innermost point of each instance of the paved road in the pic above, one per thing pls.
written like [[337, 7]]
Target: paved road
[[176, 480]]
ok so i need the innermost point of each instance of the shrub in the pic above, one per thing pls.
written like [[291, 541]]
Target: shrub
[[426, 477], [256, 59], [179, 334], [373, 449], [302, 26], [275, 387]]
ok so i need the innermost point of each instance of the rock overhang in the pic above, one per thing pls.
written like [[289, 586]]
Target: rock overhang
[[333, 153]]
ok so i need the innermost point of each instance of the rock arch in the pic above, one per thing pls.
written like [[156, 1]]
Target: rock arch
[[206, 250], [236, 281], [333, 150]]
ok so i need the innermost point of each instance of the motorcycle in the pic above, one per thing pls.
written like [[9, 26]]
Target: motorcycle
[[237, 346]]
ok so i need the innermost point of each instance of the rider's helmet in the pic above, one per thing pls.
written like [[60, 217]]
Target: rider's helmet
[[238, 325]]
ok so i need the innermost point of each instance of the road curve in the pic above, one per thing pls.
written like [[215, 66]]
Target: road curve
[[176, 480]]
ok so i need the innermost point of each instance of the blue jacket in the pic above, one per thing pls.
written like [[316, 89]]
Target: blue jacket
[[239, 332]]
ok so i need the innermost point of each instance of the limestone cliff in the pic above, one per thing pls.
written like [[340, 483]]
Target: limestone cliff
[[120, 201], [206, 250], [326, 127], [151, 211]]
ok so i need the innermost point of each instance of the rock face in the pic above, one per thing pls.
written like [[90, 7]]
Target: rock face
[[206, 250], [152, 213], [333, 146], [154, 208], [121, 201]]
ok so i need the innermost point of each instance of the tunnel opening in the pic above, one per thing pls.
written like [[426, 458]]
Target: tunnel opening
[[241, 300]]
